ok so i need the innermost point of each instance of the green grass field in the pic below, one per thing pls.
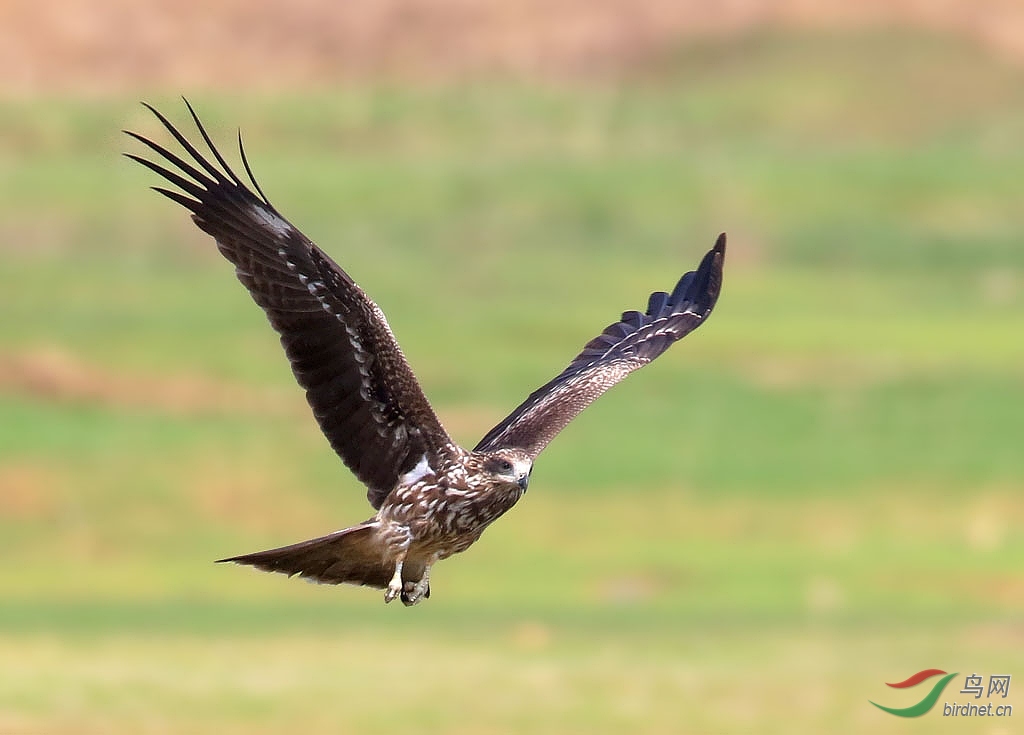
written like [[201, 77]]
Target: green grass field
[[817, 493]]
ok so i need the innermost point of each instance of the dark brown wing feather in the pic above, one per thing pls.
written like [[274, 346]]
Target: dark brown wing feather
[[361, 389], [623, 347]]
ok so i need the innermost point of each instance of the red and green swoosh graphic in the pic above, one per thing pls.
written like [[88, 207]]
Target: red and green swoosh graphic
[[930, 699]]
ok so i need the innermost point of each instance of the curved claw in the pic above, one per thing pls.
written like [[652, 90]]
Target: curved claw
[[415, 593]]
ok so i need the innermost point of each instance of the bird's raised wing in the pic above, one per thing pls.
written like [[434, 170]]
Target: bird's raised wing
[[361, 389], [623, 347]]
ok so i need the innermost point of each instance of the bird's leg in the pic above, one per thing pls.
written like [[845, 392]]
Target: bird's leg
[[417, 591], [395, 585]]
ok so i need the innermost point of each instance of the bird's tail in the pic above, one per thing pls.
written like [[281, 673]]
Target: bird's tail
[[355, 555]]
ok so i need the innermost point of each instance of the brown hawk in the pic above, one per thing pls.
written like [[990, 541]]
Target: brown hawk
[[433, 498]]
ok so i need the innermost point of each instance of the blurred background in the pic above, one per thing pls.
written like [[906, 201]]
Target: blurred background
[[817, 493]]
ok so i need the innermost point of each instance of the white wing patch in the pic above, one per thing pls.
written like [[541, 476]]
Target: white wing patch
[[270, 220], [417, 473]]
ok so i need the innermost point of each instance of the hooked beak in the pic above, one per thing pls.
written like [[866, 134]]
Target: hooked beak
[[523, 482]]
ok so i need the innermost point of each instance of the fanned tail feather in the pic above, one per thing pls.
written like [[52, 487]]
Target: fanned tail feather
[[354, 555]]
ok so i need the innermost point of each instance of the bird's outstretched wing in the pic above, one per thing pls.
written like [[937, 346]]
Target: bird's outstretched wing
[[361, 389], [621, 348]]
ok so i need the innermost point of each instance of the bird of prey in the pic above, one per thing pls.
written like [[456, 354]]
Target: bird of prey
[[432, 497]]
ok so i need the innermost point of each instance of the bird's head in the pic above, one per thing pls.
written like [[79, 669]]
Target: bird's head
[[512, 466]]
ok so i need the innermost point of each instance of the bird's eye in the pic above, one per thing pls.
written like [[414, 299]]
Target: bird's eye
[[505, 466]]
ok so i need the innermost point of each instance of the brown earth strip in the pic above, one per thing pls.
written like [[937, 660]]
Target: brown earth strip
[[55, 375], [110, 46]]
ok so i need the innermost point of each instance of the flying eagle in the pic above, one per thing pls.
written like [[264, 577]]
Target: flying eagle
[[433, 498]]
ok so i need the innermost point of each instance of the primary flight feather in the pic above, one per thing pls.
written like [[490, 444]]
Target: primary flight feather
[[433, 498]]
